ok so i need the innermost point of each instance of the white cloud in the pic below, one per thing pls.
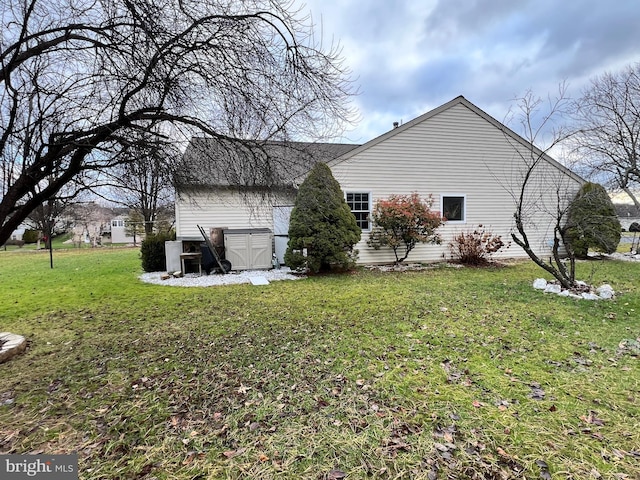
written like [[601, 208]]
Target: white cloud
[[410, 56]]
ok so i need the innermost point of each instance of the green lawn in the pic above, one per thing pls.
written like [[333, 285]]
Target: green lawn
[[444, 373]]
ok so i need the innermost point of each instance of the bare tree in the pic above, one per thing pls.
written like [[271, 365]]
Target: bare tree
[[607, 120], [81, 81], [144, 182], [542, 189], [90, 220], [48, 217], [135, 225]]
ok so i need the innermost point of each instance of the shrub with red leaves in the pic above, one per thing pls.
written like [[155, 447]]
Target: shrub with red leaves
[[475, 247]]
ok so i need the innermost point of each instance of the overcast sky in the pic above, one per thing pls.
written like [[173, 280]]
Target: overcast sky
[[409, 57]]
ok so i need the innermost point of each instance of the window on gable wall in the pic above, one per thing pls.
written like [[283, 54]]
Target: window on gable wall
[[453, 207], [360, 206]]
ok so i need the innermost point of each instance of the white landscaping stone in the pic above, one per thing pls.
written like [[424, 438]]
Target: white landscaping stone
[[195, 280], [590, 296], [12, 345], [605, 291], [539, 284], [552, 288]]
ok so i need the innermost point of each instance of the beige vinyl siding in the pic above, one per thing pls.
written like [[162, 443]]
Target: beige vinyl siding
[[223, 209], [455, 151]]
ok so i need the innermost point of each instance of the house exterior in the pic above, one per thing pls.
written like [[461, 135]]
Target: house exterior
[[117, 229], [470, 164], [627, 214], [207, 193]]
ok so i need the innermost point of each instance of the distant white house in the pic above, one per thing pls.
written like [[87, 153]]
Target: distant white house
[[471, 164], [18, 233], [118, 231], [627, 214]]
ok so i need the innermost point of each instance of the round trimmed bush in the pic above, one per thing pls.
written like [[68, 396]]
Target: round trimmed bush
[[592, 222]]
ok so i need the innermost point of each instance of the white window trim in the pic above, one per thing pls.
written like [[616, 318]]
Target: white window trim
[[464, 207], [370, 221]]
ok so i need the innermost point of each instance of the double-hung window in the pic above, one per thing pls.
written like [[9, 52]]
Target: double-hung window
[[454, 208], [360, 205]]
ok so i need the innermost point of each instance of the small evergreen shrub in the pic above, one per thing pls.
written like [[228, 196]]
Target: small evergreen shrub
[[475, 247], [152, 252], [30, 236]]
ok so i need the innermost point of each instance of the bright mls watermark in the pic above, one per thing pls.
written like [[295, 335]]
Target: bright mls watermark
[[49, 467]]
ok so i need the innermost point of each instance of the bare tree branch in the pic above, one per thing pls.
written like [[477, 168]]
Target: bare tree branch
[[607, 120], [81, 81], [543, 191]]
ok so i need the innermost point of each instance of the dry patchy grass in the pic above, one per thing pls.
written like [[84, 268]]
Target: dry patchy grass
[[445, 373]]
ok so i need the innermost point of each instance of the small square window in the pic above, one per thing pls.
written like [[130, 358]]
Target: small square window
[[453, 208]]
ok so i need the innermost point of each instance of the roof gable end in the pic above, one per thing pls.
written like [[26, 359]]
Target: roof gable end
[[460, 100]]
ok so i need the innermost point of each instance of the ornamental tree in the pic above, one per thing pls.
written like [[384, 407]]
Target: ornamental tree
[[322, 229], [401, 222]]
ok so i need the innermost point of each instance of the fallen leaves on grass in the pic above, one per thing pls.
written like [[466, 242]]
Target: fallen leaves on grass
[[592, 419], [447, 433], [537, 393], [243, 389], [544, 470], [510, 461], [454, 375], [234, 453], [629, 346], [335, 474], [193, 455]]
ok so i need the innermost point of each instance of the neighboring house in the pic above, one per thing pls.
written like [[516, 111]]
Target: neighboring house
[[118, 231], [627, 214], [19, 232], [471, 165]]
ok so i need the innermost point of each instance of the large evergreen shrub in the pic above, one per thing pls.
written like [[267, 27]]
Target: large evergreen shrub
[[152, 252], [592, 222], [30, 236], [321, 225]]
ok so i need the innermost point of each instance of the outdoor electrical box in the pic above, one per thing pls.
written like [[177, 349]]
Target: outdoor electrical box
[[172, 250]]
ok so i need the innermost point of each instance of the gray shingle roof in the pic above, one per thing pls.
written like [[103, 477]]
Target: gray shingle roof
[[212, 162]]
